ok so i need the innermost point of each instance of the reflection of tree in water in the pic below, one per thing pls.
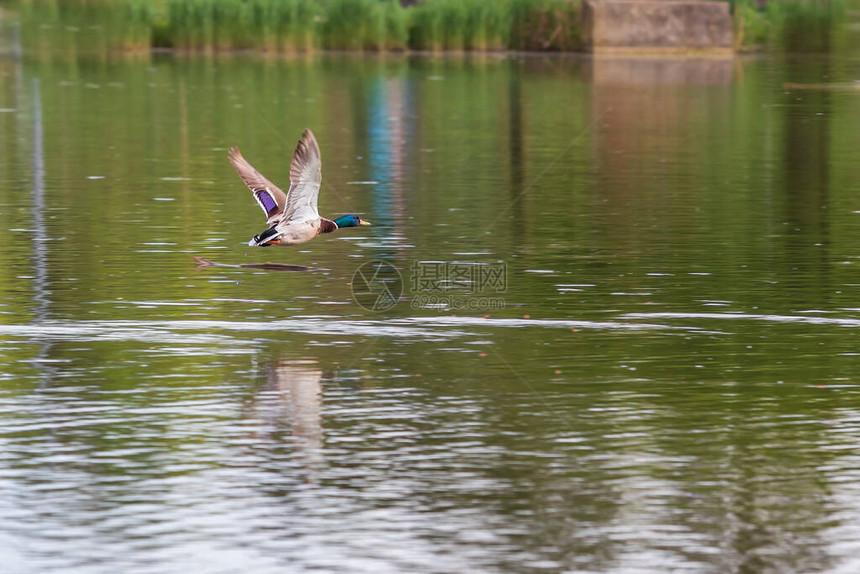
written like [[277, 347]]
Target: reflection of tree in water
[[806, 160], [743, 477], [516, 150], [40, 232], [808, 26], [639, 477]]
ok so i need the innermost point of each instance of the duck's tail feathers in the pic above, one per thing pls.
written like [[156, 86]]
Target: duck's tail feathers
[[265, 239]]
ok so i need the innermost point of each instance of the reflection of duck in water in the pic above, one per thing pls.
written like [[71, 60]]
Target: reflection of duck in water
[[293, 217], [296, 389]]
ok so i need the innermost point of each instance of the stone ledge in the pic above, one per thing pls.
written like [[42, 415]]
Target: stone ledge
[[657, 25]]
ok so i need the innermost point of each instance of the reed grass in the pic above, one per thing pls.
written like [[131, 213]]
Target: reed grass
[[271, 25], [480, 25], [286, 25], [545, 25], [293, 25], [460, 25], [365, 25], [304, 25], [89, 25], [790, 24]]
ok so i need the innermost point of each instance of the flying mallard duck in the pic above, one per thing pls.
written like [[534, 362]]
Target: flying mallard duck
[[292, 217]]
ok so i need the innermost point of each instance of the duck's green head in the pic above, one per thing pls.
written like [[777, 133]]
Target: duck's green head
[[350, 221]]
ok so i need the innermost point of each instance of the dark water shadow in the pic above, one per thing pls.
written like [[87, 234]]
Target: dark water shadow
[[203, 263]]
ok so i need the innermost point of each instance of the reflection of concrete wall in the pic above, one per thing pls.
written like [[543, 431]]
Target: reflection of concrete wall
[[613, 71], [657, 25], [657, 115], [647, 98]]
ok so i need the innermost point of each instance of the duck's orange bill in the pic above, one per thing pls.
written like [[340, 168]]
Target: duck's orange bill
[[273, 242]]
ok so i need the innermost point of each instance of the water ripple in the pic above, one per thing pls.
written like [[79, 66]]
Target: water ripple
[[804, 319], [213, 332]]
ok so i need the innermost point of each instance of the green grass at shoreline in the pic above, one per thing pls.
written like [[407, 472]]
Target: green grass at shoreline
[[358, 25], [792, 24], [374, 25]]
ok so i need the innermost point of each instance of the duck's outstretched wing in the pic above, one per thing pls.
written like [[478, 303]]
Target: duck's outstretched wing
[[305, 180], [269, 196]]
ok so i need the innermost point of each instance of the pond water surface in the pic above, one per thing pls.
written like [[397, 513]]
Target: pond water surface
[[663, 376]]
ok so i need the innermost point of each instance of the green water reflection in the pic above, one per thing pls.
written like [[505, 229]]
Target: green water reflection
[[670, 386]]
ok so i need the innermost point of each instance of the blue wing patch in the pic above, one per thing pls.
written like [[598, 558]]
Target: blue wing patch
[[266, 201]]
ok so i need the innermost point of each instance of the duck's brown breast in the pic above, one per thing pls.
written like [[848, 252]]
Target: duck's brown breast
[[327, 225]]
